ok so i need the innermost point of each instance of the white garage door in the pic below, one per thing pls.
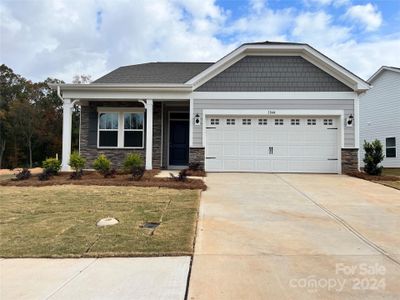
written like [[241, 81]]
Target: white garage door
[[272, 144]]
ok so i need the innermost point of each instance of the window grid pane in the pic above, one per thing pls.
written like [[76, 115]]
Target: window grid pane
[[262, 121], [295, 121], [278, 121], [230, 121], [311, 122]]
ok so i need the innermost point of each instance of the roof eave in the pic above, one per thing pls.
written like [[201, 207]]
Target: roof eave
[[124, 87]]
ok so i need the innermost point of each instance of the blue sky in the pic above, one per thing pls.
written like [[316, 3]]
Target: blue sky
[[62, 38]]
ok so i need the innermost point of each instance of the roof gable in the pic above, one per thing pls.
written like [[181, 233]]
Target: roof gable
[[282, 49], [381, 70], [273, 73]]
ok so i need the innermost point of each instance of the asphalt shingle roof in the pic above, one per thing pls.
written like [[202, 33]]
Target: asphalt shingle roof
[[155, 72]]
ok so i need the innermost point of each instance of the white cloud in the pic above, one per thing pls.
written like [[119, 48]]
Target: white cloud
[[67, 37], [368, 15], [318, 28]]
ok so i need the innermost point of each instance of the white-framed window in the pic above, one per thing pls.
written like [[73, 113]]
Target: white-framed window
[[391, 147], [214, 121], [230, 121], [262, 121], [120, 129], [311, 122], [295, 122], [133, 130], [108, 129], [246, 121], [278, 121], [328, 122]]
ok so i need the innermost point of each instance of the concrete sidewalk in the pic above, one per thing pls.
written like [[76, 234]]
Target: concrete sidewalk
[[91, 278]]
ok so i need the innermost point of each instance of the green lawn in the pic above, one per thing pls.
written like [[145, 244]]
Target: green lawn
[[60, 221]]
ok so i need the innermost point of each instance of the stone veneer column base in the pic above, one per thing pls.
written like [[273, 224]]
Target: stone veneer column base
[[349, 160], [196, 155]]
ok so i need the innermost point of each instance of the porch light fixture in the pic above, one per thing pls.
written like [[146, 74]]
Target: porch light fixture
[[197, 119], [349, 121]]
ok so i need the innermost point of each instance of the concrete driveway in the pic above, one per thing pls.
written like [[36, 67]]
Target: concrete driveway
[[292, 236]]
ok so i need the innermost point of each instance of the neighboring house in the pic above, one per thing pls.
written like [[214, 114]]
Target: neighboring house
[[380, 114], [265, 107]]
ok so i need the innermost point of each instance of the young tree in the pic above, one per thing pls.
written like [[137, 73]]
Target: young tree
[[373, 157]]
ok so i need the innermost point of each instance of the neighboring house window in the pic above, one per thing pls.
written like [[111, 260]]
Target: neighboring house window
[[108, 129], [246, 121], [230, 121], [133, 130], [295, 122], [121, 130], [214, 121], [391, 147], [328, 121], [278, 121], [262, 121], [311, 122]]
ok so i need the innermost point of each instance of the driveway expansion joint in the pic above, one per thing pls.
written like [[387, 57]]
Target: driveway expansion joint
[[343, 223]]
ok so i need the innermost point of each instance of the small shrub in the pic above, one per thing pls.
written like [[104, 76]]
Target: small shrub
[[52, 166], [132, 160], [45, 175], [373, 157], [110, 173], [77, 163], [182, 176], [103, 165], [24, 174], [137, 173]]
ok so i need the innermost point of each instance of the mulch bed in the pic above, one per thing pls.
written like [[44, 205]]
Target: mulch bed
[[366, 176], [196, 173], [94, 178]]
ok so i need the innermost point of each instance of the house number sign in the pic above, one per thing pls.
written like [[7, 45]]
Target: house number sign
[[271, 112]]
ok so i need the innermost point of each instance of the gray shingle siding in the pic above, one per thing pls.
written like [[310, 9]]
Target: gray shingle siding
[[273, 73]]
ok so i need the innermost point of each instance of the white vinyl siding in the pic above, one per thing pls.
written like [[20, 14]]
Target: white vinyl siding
[[380, 114]]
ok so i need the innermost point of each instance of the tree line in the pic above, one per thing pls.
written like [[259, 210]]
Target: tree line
[[31, 120]]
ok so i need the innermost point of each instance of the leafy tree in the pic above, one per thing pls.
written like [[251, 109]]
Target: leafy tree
[[373, 157]]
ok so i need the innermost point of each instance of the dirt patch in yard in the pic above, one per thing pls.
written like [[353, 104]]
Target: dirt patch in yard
[[94, 178]]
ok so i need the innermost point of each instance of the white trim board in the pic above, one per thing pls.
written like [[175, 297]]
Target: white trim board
[[274, 95]]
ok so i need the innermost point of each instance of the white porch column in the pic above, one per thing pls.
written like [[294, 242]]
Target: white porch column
[[66, 134], [149, 134]]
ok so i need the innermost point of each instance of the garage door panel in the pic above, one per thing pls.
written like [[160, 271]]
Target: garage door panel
[[297, 146]]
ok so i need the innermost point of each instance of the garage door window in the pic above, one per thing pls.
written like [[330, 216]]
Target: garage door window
[[295, 121], [230, 121], [246, 121], [328, 122], [214, 121], [391, 147], [311, 122], [262, 121], [278, 121]]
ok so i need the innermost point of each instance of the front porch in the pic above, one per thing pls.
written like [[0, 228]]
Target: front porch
[[115, 123]]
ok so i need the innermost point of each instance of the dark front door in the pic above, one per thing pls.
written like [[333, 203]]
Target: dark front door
[[178, 142]]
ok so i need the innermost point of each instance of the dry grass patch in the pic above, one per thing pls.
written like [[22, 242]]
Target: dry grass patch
[[60, 221]]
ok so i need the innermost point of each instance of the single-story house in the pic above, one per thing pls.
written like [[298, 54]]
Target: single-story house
[[380, 114], [264, 107]]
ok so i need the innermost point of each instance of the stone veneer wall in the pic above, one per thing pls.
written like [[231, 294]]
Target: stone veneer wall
[[88, 135], [196, 155], [349, 160]]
